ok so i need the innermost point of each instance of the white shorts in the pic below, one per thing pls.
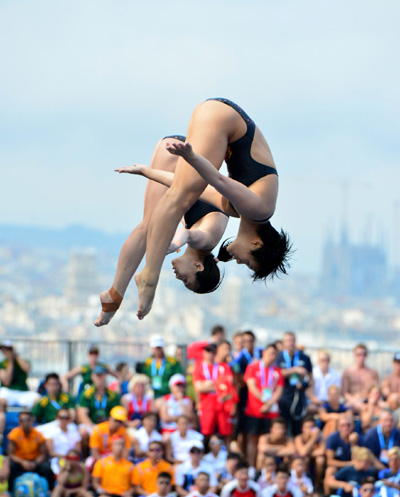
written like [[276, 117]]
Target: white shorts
[[17, 398]]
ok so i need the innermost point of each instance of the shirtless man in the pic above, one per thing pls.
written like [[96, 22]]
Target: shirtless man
[[276, 443], [358, 379], [391, 384]]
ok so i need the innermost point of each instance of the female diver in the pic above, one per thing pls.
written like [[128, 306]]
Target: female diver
[[220, 129], [204, 227]]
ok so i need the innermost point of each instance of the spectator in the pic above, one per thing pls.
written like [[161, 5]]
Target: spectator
[[282, 486], [371, 410], [14, 389], [265, 386], [391, 476], [73, 478], [367, 487], [124, 375], [297, 370], [195, 350], [249, 352], [276, 443], [310, 445], [331, 411], [298, 476], [138, 401], [4, 474], [164, 486], [212, 414], [45, 410], [267, 475], [349, 477], [202, 484], [241, 486], [145, 474], [27, 451], [391, 384], [227, 475], [383, 437], [358, 379], [62, 437], [186, 473], [112, 475], [86, 371], [174, 404], [339, 444], [103, 433], [159, 368], [145, 435], [237, 344], [180, 441], [217, 455], [324, 377]]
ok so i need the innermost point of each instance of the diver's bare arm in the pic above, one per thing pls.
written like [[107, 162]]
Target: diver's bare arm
[[158, 175]]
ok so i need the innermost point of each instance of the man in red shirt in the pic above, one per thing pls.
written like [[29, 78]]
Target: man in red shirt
[[207, 375], [265, 386]]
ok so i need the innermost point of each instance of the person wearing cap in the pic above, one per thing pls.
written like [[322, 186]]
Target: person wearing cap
[[391, 384], [174, 404], [180, 441], [207, 374], [112, 475], [102, 434], [186, 473], [159, 367], [86, 370]]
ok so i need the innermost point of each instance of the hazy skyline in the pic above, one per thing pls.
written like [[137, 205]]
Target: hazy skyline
[[90, 86]]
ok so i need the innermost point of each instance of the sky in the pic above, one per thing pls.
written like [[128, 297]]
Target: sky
[[89, 86]]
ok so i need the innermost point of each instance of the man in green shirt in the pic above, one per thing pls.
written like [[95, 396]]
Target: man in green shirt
[[45, 410], [159, 368]]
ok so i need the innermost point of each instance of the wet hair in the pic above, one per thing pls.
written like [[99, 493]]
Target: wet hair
[[209, 279], [272, 257]]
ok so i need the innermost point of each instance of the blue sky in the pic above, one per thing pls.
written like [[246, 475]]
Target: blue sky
[[90, 86]]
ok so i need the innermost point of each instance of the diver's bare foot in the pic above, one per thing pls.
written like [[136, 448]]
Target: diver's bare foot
[[146, 296], [110, 302]]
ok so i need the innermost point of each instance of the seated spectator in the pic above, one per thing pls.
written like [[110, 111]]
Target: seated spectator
[[371, 410], [298, 476], [241, 485], [124, 375], [276, 443], [45, 410], [282, 486], [145, 474], [310, 445], [324, 377], [146, 434], [103, 433], [265, 386], [383, 437], [180, 441], [202, 485], [138, 400], [339, 444], [73, 478], [331, 411], [186, 473], [172, 405], [266, 476], [164, 486], [349, 477], [391, 384], [391, 476], [112, 475], [160, 368], [227, 475], [61, 438], [358, 379], [86, 371], [217, 455], [27, 451], [14, 389], [4, 474], [368, 488]]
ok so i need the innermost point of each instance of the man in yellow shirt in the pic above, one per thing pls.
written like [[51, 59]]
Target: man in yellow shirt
[[112, 475], [100, 439], [144, 476]]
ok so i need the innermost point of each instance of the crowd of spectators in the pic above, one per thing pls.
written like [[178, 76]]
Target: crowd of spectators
[[240, 420]]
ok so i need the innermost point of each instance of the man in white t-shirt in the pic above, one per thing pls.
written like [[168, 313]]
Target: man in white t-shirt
[[202, 483], [217, 455], [324, 376], [180, 441]]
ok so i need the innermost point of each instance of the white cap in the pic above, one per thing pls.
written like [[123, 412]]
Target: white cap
[[157, 341], [175, 379], [6, 343], [196, 444]]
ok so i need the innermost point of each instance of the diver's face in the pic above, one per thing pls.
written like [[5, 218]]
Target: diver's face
[[185, 270], [240, 251]]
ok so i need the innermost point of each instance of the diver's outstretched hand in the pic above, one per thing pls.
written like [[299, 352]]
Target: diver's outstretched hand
[[136, 169], [183, 150]]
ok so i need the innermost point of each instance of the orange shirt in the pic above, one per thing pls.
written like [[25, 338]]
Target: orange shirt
[[115, 476], [145, 475], [101, 438], [26, 447]]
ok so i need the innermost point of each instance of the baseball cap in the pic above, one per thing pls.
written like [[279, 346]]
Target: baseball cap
[[6, 343], [397, 357], [210, 347], [196, 444], [119, 413], [99, 369], [157, 341], [93, 349], [176, 379]]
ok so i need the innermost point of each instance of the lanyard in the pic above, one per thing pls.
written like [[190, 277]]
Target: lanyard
[[262, 374], [382, 438], [55, 404], [207, 372], [247, 355], [288, 361], [136, 405], [154, 371], [102, 404]]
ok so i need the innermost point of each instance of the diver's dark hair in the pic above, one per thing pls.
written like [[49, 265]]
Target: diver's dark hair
[[209, 279], [223, 254]]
